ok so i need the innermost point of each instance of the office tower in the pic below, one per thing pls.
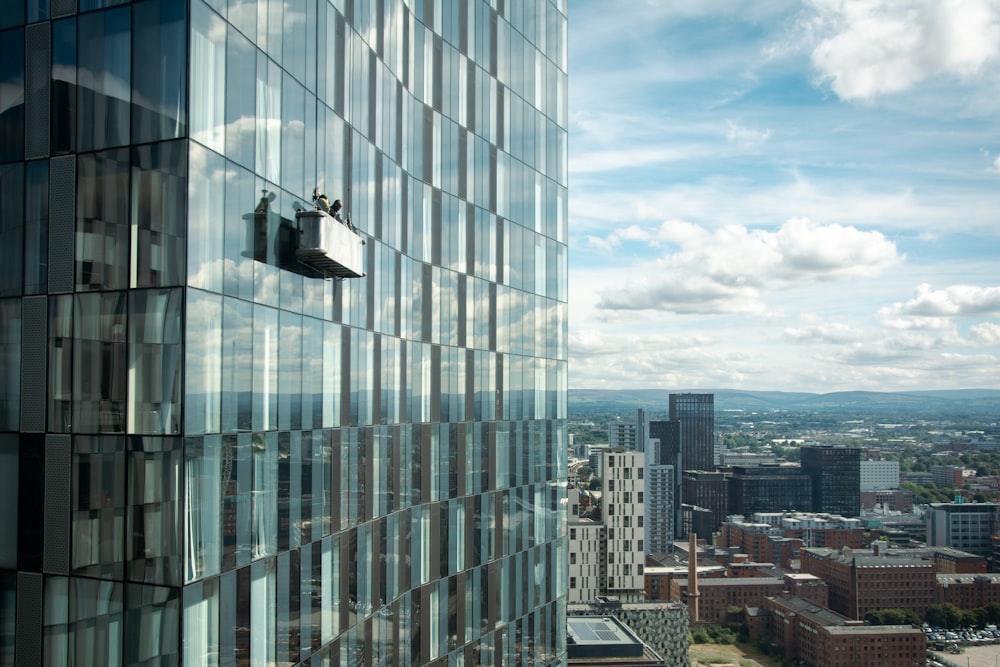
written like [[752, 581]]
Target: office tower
[[696, 412], [879, 475], [623, 508], [964, 526], [836, 478], [708, 490], [769, 488], [664, 447], [213, 449]]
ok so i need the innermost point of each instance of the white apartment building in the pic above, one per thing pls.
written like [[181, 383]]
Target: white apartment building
[[586, 553], [624, 519], [879, 475]]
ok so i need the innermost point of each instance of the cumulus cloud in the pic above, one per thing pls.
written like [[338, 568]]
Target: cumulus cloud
[[744, 137], [986, 333], [953, 301], [832, 332], [726, 270], [873, 47]]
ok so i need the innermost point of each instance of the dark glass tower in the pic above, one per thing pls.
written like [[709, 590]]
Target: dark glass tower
[[213, 454], [696, 412], [836, 478]]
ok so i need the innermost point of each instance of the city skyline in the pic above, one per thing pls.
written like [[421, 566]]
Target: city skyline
[[784, 195]]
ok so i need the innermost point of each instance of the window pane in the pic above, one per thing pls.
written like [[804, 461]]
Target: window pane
[[202, 504], [265, 494], [201, 624], [208, 77], [98, 506], [152, 626], [159, 182], [11, 223], [99, 386], [241, 100], [102, 220], [206, 210], [154, 361], [103, 79], [202, 363], [11, 89], [8, 527], [10, 362], [158, 50], [8, 616], [154, 550], [237, 365], [36, 227], [63, 105]]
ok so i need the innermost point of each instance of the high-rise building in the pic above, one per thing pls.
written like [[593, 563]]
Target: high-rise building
[[665, 455], [613, 548], [879, 475], [623, 508], [768, 488], [628, 435], [660, 508], [709, 490], [966, 526], [836, 478], [696, 412], [587, 552], [225, 440]]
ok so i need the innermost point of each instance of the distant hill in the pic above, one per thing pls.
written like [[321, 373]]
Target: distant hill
[[930, 404]]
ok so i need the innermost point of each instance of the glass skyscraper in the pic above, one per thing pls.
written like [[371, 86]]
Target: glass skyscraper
[[209, 453]]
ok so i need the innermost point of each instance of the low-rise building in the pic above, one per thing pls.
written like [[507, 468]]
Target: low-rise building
[[864, 581], [718, 596], [663, 626], [968, 591], [604, 640], [818, 637]]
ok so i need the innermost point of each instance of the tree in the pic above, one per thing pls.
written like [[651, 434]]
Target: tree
[[944, 615], [892, 617], [595, 484]]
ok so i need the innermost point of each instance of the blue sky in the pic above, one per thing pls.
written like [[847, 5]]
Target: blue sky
[[784, 195]]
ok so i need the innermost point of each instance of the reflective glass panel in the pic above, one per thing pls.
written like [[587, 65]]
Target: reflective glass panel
[[104, 79], [159, 106], [11, 88]]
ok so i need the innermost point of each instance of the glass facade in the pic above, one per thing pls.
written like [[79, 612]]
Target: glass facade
[[211, 457]]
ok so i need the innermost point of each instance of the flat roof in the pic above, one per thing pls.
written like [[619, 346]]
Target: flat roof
[[584, 630]]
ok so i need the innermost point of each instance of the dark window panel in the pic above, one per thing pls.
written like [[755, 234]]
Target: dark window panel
[[11, 224], [64, 93], [103, 79], [159, 47], [11, 91]]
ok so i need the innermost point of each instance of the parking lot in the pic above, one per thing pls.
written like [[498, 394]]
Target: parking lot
[[972, 656]]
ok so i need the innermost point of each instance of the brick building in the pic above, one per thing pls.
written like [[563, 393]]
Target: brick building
[[968, 591], [821, 638], [866, 581], [718, 595]]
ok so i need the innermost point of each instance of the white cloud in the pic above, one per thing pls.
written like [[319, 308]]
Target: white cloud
[[746, 138], [833, 332], [986, 333], [874, 47], [954, 301], [727, 269]]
